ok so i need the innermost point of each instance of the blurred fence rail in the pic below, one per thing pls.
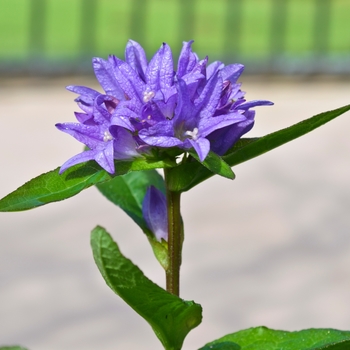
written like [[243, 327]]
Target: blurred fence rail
[[278, 36]]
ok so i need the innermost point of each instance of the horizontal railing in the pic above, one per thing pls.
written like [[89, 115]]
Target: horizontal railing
[[279, 36]]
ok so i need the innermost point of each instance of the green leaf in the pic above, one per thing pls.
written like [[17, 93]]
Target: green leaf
[[128, 191], [259, 146], [215, 164], [262, 338], [246, 149], [227, 345], [15, 347], [170, 317], [52, 187], [179, 177]]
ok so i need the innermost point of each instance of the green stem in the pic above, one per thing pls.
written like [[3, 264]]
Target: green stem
[[175, 238]]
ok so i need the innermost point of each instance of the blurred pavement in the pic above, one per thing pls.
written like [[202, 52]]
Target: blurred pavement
[[270, 248]]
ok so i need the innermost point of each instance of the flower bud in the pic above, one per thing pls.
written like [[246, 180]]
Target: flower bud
[[154, 211]]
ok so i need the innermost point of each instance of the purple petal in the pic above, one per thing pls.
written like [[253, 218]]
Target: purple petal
[[223, 139], [77, 159], [85, 118], [167, 106], [105, 157], [151, 114], [83, 90], [154, 211], [160, 71], [187, 59], [232, 72], [86, 97], [101, 115], [210, 97], [208, 125], [122, 117], [160, 141], [124, 143], [104, 74], [89, 135], [213, 68], [161, 135], [135, 56], [185, 115], [255, 103], [193, 81], [128, 78], [200, 67], [201, 146]]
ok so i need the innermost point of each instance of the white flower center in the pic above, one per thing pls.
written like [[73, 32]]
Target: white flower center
[[107, 136], [192, 134], [148, 95]]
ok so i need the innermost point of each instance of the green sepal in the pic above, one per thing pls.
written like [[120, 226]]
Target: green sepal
[[160, 251], [52, 187], [262, 338], [215, 164], [246, 149], [170, 317]]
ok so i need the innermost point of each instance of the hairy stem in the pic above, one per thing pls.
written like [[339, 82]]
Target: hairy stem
[[175, 239]]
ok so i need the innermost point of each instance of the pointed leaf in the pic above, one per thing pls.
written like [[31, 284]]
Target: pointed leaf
[[215, 164], [262, 338], [246, 149], [259, 146], [52, 187], [128, 191], [170, 317], [181, 176], [227, 345]]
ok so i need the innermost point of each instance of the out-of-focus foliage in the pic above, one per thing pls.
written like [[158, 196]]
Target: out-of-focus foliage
[[262, 33]]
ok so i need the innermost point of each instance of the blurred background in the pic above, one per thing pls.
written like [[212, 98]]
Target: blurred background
[[281, 36], [270, 248]]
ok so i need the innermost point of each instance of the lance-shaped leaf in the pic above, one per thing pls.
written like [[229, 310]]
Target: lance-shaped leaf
[[262, 338], [188, 175], [227, 345], [170, 317], [215, 164], [53, 187]]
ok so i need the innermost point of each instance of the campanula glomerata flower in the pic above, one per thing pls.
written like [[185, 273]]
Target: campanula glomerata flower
[[148, 105]]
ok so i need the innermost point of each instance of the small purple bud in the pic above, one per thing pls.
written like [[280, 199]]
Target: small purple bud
[[155, 213]]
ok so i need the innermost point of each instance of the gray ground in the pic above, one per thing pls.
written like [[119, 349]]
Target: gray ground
[[270, 248]]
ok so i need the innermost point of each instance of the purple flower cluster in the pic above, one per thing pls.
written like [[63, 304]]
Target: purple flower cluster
[[147, 105]]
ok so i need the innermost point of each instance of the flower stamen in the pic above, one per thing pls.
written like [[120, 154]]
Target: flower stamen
[[148, 95], [192, 134], [107, 136]]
